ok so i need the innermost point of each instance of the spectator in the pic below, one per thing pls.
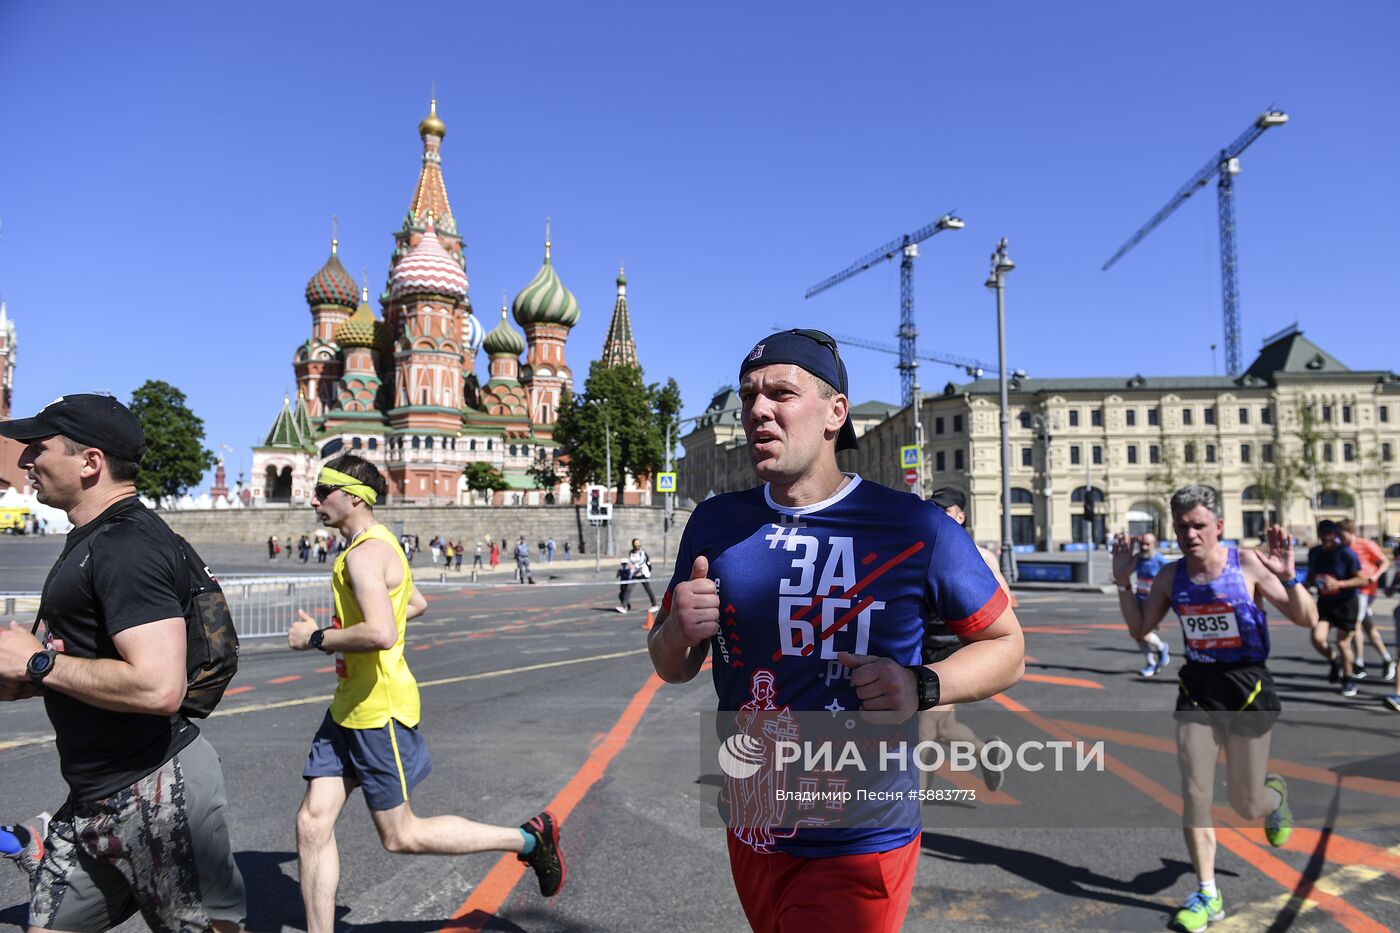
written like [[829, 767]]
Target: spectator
[[549, 551], [522, 562]]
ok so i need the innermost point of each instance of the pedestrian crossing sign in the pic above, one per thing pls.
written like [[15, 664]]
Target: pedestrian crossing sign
[[909, 457], [665, 482]]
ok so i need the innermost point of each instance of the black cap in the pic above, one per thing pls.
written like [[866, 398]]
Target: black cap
[[813, 351], [1328, 527], [946, 497], [93, 420]]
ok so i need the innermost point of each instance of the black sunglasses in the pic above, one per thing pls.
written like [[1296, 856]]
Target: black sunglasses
[[322, 490]]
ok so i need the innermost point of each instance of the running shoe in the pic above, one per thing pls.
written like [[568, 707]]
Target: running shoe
[[1278, 826], [1200, 909], [1164, 657], [1393, 701], [1358, 672], [34, 832], [1389, 676], [1334, 674], [546, 858], [620, 608], [993, 778], [1348, 688], [1148, 669]]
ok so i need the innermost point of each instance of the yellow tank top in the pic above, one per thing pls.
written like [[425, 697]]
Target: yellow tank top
[[375, 686]]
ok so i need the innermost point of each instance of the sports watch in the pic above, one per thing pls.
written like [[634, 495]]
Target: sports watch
[[929, 688], [316, 638], [40, 665]]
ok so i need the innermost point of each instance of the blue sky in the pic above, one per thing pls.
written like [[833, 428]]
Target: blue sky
[[168, 173]]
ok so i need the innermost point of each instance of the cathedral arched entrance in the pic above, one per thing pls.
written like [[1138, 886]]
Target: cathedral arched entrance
[[277, 485]]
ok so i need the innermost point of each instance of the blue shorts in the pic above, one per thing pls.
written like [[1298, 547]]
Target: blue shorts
[[387, 762]]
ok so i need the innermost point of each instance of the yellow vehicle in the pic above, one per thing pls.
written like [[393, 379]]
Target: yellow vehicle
[[14, 520]]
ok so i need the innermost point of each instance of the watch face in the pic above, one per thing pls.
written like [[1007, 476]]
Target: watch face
[[40, 663]]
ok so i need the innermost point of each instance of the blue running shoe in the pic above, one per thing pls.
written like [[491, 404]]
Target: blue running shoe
[[1164, 657]]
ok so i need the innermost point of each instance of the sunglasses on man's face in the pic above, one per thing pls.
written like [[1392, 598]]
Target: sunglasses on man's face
[[322, 490]]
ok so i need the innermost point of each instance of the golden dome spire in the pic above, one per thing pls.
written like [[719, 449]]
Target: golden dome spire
[[431, 125]]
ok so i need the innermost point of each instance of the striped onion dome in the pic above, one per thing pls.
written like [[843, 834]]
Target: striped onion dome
[[332, 285], [429, 269], [362, 329], [473, 334], [545, 300], [504, 339]]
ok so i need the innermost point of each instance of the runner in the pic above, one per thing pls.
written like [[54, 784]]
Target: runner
[[1393, 701], [369, 737], [1336, 572], [1374, 564], [1155, 653], [1226, 696], [809, 533]]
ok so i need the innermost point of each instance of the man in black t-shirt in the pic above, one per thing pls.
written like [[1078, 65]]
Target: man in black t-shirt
[[143, 826], [1336, 572]]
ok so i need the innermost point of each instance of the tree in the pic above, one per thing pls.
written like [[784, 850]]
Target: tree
[[616, 401], [1299, 471], [483, 477], [176, 458], [543, 473]]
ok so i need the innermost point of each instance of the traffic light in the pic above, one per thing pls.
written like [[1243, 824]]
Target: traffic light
[[1089, 508], [595, 503]]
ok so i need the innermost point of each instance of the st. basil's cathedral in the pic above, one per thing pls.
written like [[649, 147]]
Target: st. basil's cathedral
[[403, 391]]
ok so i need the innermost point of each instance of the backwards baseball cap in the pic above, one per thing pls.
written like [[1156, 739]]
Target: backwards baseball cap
[[813, 351], [945, 497], [92, 420]]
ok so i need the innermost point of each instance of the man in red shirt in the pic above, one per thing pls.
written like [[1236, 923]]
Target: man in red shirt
[[1374, 564]]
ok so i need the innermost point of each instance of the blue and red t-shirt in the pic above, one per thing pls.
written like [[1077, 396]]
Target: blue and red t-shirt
[[859, 572]]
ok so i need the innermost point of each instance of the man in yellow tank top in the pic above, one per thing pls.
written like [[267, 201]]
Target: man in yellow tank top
[[369, 737]]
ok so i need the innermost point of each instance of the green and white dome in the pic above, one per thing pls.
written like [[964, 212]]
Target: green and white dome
[[545, 300]]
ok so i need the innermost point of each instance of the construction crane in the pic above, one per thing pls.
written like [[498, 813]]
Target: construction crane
[[907, 248], [973, 367], [1227, 166]]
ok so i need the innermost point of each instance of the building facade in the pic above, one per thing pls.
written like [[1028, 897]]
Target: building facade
[[1127, 442], [11, 476]]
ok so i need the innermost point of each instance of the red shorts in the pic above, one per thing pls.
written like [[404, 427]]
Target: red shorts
[[784, 893]]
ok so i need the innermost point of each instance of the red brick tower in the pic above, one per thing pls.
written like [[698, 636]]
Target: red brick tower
[[546, 311], [331, 297]]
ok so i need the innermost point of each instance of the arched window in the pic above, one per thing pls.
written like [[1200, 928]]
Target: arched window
[[1392, 491], [488, 443], [525, 450], [1021, 496], [1078, 494], [417, 442], [374, 443], [512, 450], [354, 443], [471, 444], [1252, 494], [1334, 499]]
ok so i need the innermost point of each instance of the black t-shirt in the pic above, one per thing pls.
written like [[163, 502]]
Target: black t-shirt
[[122, 569]]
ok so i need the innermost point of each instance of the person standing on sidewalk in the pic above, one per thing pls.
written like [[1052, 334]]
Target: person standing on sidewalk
[[522, 562], [143, 828], [369, 737]]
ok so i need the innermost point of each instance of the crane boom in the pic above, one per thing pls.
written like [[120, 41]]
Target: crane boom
[[1269, 118], [889, 251], [973, 367]]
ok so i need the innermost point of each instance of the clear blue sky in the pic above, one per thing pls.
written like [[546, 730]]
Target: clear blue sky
[[168, 173]]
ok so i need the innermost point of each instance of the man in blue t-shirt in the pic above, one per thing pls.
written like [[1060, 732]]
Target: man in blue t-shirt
[[1335, 570], [812, 590]]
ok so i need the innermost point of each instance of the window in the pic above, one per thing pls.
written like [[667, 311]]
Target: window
[[937, 425], [939, 462], [354, 443], [374, 443], [1266, 415], [957, 424], [1385, 413], [1245, 454], [1327, 452], [1096, 417], [1021, 496], [1074, 417], [1253, 523], [1349, 453], [1186, 416], [1346, 414], [1386, 454], [1026, 457], [1334, 499], [1210, 414], [1244, 416], [1074, 455], [1326, 412], [512, 450], [1154, 417], [1266, 453], [1132, 454], [1025, 419], [1210, 453], [1098, 454], [417, 442], [471, 444], [1189, 455], [958, 459], [1154, 453], [488, 443], [1131, 416], [1252, 494]]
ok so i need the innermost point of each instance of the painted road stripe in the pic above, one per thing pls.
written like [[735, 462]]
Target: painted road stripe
[[284, 680], [1062, 681]]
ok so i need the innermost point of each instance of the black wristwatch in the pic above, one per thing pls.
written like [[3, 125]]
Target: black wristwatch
[[316, 638], [929, 688], [39, 666]]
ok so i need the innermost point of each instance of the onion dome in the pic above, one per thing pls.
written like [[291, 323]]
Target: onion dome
[[431, 125], [545, 300], [473, 334], [362, 329], [504, 339], [428, 269], [331, 285]]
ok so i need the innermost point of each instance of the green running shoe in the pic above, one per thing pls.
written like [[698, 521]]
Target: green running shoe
[[1278, 826], [1200, 910]]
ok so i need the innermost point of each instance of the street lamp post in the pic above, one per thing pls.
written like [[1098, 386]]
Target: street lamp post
[[607, 440], [1001, 265], [1040, 424]]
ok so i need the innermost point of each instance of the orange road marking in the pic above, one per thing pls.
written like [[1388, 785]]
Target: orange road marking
[[1279, 871], [235, 691], [487, 898], [324, 670], [286, 680], [1062, 681]]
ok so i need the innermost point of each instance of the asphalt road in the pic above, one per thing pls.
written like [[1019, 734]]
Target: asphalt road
[[543, 695]]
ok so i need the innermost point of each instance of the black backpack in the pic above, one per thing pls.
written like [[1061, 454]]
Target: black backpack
[[211, 643]]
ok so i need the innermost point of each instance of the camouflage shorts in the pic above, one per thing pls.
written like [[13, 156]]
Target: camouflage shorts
[[160, 847]]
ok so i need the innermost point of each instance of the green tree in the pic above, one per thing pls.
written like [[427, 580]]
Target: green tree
[[484, 477], [615, 400], [1301, 470], [543, 473], [176, 458]]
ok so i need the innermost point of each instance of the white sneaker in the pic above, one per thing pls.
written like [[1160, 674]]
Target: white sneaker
[[1148, 669], [655, 608], [620, 608]]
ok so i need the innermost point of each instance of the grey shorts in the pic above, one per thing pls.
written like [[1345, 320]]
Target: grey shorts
[[160, 847]]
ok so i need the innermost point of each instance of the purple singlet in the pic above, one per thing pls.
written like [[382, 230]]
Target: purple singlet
[[1220, 621]]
